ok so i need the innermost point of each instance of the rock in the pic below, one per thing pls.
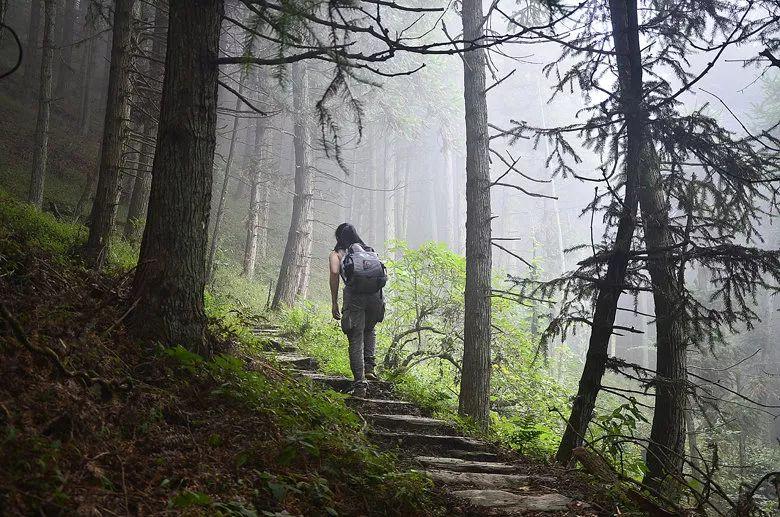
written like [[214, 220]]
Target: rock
[[461, 465], [500, 502], [485, 480]]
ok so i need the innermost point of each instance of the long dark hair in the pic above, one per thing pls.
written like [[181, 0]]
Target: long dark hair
[[346, 236]]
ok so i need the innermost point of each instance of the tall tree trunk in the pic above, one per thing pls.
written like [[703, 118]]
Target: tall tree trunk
[[390, 195], [666, 450], [253, 222], [33, 51], [169, 283], [65, 70], [139, 199], [101, 220], [87, 73], [474, 399], [41, 149], [626, 39], [288, 283], [226, 180]]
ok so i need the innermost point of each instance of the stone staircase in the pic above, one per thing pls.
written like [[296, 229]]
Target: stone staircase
[[469, 470]]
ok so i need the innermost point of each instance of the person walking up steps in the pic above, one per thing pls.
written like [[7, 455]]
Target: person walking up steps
[[364, 277]]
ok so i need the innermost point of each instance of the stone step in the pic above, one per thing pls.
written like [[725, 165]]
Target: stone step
[[508, 504], [461, 465], [411, 423], [383, 406], [298, 362], [470, 455], [427, 441], [486, 480], [345, 385]]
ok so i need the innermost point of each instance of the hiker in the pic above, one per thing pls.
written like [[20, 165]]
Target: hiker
[[364, 277]]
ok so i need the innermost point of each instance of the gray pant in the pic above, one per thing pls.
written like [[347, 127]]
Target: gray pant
[[360, 314]]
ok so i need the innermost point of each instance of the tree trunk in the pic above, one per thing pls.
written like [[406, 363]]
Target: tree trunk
[[625, 35], [33, 51], [65, 71], [299, 235], [104, 208], [87, 72], [139, 199], [169, 283], [253, 222], [41, 149], [226, 180], [390, 164], [474, 399], [666, 450]]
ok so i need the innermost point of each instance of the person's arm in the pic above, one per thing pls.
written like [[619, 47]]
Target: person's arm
[[335, 266]]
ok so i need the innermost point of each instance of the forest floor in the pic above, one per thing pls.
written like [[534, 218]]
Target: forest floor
[[93, 422]]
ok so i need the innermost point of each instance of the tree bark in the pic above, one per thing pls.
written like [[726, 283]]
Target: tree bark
[[299, 234], [226, 180], [117, 114], [65, 70], [474, 399], [33, 51], [666, 450], [254, 221], [626, 39], [41, 149], [169, 283]]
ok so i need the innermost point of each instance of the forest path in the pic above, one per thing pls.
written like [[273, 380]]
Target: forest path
[[480, 479]]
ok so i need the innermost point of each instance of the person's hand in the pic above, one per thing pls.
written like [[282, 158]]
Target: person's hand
[[336, 312]]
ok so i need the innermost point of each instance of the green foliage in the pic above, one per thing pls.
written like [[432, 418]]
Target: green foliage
[[28, 227], [318, 335]]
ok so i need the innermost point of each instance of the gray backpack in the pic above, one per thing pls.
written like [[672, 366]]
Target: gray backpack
[[362, 270]]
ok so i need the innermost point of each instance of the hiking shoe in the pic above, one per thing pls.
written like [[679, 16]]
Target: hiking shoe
[[371, 376], [359, 389]]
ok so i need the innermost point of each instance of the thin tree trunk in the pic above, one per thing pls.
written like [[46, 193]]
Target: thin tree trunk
[[139, 199], [41, 149], [391, 162], [87, 72], [226, 180], [253, 222], [666, 450], [628, 56], [288, 283], [104, 208], [65, 71], [302, 156], [33, 51], [474, 399], [169, 283]]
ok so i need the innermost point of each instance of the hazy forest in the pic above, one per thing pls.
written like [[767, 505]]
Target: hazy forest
[[570, 209]]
